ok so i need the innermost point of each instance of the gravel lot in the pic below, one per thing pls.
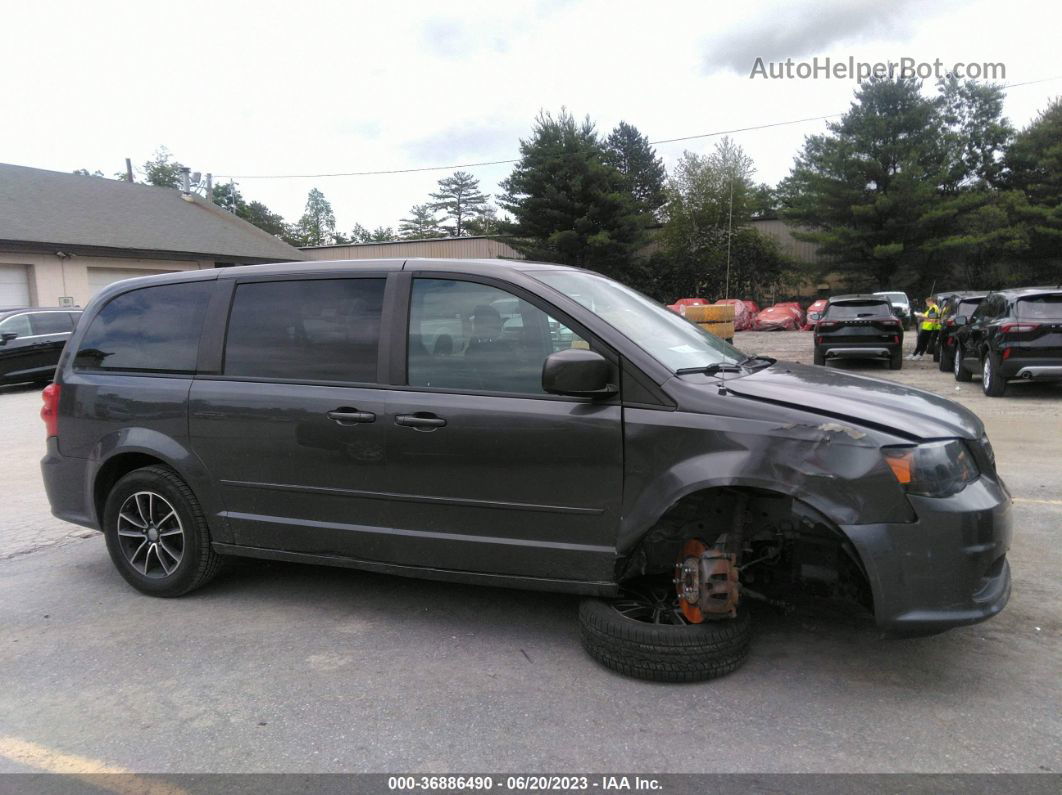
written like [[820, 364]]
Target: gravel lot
[[291, 668]]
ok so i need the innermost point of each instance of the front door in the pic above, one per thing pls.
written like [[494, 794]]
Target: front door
[[489, 473], [294, 429]]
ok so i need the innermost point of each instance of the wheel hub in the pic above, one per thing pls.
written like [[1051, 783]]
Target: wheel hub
[[706, 580]]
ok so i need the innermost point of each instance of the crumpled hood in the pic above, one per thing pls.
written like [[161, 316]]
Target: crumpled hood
[[860, 400]]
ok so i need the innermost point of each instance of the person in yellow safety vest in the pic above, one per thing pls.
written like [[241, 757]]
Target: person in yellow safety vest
[[927, 334]]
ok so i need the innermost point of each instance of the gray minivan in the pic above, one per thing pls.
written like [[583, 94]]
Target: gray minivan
[[516, 424]]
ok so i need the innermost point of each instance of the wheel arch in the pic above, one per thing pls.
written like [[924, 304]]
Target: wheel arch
[[134, 448]]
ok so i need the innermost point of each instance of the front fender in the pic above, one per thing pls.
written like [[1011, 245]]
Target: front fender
[[836, 470], [175, 455]]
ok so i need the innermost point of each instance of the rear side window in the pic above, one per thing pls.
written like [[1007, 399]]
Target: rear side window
[[51, 323], [153, 329], [854, 310], [1041, 307], [16, 324], [968, 307], [309, 330]]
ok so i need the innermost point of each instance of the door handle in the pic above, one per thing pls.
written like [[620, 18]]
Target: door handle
[[345, 416], [420, 421]]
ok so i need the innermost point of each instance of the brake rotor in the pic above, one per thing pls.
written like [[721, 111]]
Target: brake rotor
[[706, 580]]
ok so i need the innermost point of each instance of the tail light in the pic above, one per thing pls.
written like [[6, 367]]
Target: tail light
[[1018, 328], [950, 322], [50, 409], [1007, 352]]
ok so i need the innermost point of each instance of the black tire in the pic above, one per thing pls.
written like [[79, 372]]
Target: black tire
[[663, 652], [947, 360], [896, 359], [197, 563], [820, 357], [993, 384], [958, 369]]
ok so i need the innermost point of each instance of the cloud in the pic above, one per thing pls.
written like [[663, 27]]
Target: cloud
[[453, 39], [808, 28], [471, 141]]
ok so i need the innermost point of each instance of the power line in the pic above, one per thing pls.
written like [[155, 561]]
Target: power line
[[480, 164]]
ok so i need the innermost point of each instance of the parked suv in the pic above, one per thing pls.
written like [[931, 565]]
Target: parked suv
[[859, 327], [393, 416], [1012, 334], [956, 304], [31, 339], [901, 307]]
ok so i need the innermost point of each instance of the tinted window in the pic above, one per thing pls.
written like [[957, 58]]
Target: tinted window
[[18, 324], [311, 330], [1040, 307], [51, 323], [473, 337], [154, 329], [854, 310]]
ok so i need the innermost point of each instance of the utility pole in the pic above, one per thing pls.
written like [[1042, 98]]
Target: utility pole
[[128, 170], [210, 187], [729, 234]]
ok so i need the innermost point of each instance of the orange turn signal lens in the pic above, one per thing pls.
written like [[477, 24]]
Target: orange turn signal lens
[[901, 462]]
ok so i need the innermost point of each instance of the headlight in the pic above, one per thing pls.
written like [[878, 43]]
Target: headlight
[[935, 469]]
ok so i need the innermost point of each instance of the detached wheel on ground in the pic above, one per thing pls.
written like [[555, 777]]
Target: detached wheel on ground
[[993, 384], [157, 535], [644, 634]]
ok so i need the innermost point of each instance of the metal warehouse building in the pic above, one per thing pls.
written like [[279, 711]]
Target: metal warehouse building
[[64, 236]]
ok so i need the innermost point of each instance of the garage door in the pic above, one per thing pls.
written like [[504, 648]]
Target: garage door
[[98, 278], [14, 285]]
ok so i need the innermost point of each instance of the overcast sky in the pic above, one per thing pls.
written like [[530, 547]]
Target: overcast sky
[[252, 88]]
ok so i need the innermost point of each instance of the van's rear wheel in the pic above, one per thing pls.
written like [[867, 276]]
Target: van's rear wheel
[[157, 535], [644, 634]]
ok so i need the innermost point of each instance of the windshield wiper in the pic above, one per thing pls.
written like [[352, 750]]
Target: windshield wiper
[[711, 369]]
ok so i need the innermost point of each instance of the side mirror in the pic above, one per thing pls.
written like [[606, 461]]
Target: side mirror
[[577, 373], [960, 320], [7, 336]]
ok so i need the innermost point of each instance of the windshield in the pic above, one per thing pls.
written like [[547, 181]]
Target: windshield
[[851, 310], [674, 342], [1041, 307]]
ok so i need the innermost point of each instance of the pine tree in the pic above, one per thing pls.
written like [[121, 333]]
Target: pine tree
[[317, 227], [568, 204], [422, 223], [630, 153], [458, 199]]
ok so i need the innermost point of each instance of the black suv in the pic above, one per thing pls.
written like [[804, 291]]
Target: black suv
[[515, 424], [859, 327], [31, 339], [952, 306], [1012, 334]]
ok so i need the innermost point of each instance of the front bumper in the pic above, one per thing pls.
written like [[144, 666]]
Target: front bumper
[[946, 569]]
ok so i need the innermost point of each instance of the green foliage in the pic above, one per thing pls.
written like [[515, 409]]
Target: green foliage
[[567, 203], [381, 234], [422, 223], [317, 227], [458, 199], [1034, 167], [629, 152], [162, 171], [711, 201], [484, 223]]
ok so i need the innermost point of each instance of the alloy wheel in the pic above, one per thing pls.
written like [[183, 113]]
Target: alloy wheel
[[986, 372], [150, 534], [650, 603]]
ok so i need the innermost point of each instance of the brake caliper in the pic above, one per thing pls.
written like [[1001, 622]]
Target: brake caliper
[[706, 579]]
